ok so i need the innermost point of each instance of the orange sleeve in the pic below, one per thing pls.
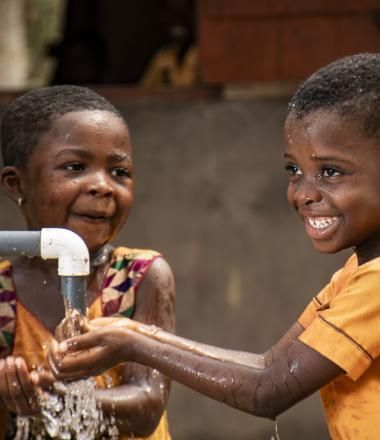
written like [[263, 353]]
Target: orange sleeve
[[346, 330], [310, 313]]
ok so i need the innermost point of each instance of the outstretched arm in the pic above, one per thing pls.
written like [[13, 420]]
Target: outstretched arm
[[263, 385]]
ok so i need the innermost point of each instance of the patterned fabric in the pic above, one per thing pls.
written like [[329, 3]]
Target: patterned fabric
[[127, 268], [7, 308]]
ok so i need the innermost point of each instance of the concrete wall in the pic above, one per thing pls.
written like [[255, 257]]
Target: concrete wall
[[210, 194]]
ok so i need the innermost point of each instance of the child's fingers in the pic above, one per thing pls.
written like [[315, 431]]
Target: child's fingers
[[66, 369], [13, 386], [102, 322], [82, 342], [54, 357], [44, 379], [20, 395], [72, 325], [89, 354], [87, 358], [78, 365], [28, 398], [4, 385]]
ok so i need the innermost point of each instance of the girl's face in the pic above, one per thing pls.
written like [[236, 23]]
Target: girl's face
[[334, 182], [79, 177]]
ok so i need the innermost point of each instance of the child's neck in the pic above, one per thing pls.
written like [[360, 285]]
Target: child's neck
[[367, 251], [101, 257]]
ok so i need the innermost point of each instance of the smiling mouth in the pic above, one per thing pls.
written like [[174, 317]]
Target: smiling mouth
[[320, 223], [94, 217]]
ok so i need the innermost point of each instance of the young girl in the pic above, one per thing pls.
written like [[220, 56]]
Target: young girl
[[68, 164], [332, 156]]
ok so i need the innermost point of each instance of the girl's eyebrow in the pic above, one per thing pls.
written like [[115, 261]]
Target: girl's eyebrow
[[331, 159], [288, 156], [77, 151], [322, 158], [86, 154], [120, 157]]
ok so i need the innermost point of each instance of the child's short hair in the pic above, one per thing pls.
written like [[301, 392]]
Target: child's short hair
[[31, 115], [349, 86]]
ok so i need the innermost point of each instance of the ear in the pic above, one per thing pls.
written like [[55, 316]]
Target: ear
[[11, 182]]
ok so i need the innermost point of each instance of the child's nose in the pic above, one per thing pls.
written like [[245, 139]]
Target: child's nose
[[100, 184], [307, 192]]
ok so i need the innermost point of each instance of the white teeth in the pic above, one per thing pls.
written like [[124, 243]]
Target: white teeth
[[320, 222]]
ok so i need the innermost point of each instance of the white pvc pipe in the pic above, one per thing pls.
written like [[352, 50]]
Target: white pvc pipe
[[70, 250]]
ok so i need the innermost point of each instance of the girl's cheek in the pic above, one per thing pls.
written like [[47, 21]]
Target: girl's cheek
[[290, 194]]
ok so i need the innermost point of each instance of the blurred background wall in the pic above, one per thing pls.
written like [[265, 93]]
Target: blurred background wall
[[203, 86]]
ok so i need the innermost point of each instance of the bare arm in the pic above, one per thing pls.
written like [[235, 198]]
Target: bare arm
[[265, 386], [141, 386]]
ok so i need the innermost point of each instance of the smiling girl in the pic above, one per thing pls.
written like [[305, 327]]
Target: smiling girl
[[68, 164], [332, 156]]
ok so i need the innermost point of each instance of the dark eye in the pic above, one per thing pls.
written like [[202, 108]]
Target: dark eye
[[292, 169], [121, 172], [74, 166], [330, 172]]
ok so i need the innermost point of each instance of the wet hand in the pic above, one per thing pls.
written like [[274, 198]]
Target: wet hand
[[72, 325], [18, 389], [103, 346]]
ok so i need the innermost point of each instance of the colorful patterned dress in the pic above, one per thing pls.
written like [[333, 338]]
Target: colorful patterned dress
[[21, 334]]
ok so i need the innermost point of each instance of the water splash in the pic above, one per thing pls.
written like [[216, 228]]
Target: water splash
[[71, 412]]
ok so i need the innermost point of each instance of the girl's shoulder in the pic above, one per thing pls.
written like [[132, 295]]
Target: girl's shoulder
[[131, 254], [133, 263], [127, 269]]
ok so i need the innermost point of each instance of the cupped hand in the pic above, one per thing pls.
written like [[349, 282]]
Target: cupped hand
[[72, 325], [18, 387], [101, 348]]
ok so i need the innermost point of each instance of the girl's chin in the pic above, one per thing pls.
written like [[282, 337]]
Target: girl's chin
[[96, 249], [326, 248], [100, 252]]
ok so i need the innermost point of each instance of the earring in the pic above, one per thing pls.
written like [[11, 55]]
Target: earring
[[20, 201]]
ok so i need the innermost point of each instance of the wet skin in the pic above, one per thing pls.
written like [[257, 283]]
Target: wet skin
[[80, 177], [334, 183]]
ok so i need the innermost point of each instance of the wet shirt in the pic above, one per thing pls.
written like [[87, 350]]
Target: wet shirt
[[343, 324]]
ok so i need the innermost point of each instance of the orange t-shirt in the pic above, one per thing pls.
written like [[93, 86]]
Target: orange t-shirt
[[343, 324]]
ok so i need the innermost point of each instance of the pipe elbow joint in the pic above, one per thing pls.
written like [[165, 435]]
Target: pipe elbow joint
[[70, 250]]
